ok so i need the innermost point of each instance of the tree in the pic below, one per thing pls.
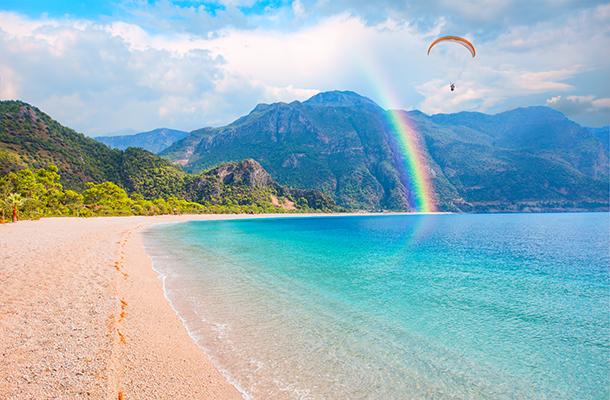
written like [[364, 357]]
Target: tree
[[14, 200], [51, 193], [4, 192], [26, 184], [108, 196], [72, 202]]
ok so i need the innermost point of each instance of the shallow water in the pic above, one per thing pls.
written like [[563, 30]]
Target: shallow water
[[512, 306]]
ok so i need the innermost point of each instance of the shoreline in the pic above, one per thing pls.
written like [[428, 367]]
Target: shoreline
[[84, 313]]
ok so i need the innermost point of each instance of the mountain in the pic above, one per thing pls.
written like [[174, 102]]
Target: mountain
[[335, 142], [345, 145], [153, 141], [31, 139], [539, 131], [526, 155], [603, 134]]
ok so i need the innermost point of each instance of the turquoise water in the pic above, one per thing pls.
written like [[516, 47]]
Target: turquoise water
[[513, 306]]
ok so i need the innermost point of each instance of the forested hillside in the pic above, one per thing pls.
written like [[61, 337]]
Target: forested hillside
[[30, 138], [47, 169]]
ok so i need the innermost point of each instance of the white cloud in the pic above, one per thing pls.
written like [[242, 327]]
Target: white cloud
[[283, 59], [543, 81], [101, 78], [9, 88], [584, 108], [298, 9], [161, 64], [482, 88], [526, 63], [468, 96], [19, 27]]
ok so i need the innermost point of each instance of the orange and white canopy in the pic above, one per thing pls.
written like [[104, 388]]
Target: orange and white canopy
[[454, 39]]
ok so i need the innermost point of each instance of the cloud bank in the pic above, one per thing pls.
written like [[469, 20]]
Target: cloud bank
[[190, 64]]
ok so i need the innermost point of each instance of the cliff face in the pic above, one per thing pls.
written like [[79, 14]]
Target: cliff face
[[247, 173]]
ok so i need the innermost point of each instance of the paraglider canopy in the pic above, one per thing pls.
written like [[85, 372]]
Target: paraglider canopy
[[454, 39]]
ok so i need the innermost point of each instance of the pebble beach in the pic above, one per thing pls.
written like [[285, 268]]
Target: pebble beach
[[83, 315]]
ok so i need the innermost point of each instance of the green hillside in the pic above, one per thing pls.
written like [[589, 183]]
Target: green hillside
[[31, 142], [30, 138]]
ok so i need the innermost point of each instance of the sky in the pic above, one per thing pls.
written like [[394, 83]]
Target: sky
[[126, 66]]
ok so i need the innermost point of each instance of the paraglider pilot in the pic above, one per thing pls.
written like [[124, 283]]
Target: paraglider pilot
[[458, 40]]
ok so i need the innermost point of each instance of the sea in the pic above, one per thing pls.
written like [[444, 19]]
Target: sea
[[451, 306]]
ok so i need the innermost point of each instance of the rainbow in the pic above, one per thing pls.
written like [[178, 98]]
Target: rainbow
[[415, 168]]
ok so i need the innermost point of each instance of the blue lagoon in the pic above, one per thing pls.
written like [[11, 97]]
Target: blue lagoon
[[503, 306]]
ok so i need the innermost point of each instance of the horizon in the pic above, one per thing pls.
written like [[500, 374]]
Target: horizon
[[101, 67]]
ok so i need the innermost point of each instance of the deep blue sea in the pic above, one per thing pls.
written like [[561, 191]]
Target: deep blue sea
[[500, 306]]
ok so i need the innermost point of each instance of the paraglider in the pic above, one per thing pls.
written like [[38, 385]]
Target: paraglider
[[458, 40], [454, 39]]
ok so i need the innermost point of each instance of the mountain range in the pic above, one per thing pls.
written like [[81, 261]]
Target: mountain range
[[344, 145], [153, 141]]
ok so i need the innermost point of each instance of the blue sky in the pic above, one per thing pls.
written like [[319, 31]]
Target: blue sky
[[134, 65], [59, 8]]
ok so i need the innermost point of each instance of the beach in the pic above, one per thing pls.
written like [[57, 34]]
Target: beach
[[84, 315], [392, 307]]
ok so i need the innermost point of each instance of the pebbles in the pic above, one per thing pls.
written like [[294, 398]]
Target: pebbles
[[61, 316]]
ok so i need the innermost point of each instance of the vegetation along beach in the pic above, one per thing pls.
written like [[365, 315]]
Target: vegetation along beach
[[299, 199]]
